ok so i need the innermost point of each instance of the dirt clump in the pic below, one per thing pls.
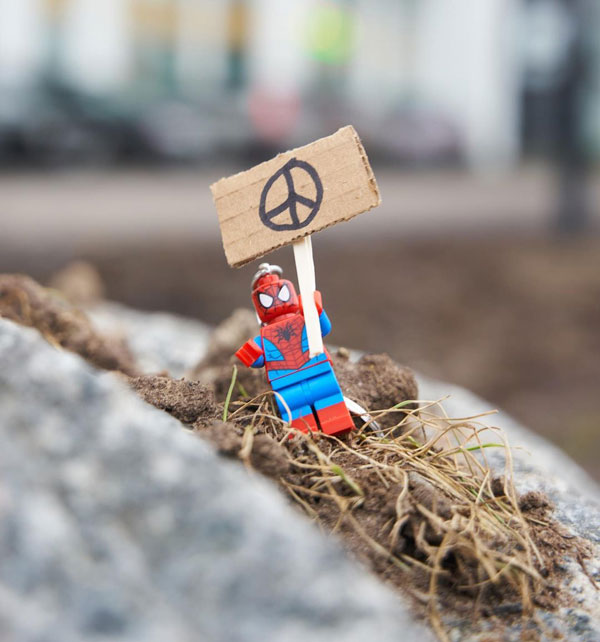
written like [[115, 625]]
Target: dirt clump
[[534, 499], [376, 382], [457, 540], [26, 302], [269, 457], [249, 382], [188, 401], [79, 282], [263, 453], [225, 437], [427, 495]]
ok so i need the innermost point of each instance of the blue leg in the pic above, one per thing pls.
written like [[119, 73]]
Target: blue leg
[[325, 387], [302, 414]]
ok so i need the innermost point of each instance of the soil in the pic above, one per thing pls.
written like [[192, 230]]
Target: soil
[[26, 302], [515, 320], [187, 401], [366, 535], [399, 530], [376, 382], [267, 456], [373, 519]]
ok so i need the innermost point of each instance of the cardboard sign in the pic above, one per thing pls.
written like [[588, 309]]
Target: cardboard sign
[[293, 195]]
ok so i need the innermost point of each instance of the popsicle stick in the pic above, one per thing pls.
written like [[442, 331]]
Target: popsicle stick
[[305, 268]]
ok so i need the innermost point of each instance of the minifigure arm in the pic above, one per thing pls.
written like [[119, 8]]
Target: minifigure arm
[[323, 318], [325, 323], [251, 353]]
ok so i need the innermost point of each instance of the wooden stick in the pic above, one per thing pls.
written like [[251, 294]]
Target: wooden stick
[[305, 268]]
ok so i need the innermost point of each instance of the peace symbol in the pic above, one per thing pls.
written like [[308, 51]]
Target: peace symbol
[[291, 202]]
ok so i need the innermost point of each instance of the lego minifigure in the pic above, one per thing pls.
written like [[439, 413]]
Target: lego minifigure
[[308, 386]]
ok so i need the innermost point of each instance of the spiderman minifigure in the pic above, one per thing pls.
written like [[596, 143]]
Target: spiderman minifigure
[[307, 385]]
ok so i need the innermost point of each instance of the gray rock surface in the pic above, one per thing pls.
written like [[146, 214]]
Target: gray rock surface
[[157, 340], [117, 524], [537, 465], [534, 458], [540, 466]]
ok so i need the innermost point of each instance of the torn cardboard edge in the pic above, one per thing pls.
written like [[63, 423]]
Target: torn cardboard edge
[[277, 202]]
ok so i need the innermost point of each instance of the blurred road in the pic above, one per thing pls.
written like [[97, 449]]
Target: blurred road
[[86, 209]]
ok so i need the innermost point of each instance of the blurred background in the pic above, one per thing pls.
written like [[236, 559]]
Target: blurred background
[[482, 122]]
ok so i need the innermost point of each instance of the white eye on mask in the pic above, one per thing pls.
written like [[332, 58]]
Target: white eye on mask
[[266, 300], [284, 294]]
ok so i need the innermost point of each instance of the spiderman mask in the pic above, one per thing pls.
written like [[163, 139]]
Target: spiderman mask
[[274, 297]]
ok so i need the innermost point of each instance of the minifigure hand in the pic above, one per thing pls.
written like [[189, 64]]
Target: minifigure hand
[[318, 301], [249, 353]]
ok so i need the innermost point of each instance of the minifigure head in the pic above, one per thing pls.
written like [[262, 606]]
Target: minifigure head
[[273, 296]]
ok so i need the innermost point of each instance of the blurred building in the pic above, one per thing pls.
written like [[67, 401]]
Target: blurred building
[[425, 81]]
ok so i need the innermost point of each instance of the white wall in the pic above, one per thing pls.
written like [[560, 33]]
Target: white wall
[[460, 58], [278, 58], [467, 64], [22, 41], [97, 49]]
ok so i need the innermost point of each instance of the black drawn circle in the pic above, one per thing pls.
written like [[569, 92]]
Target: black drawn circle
[[293, 198]]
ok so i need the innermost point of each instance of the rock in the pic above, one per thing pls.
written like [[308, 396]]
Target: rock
[[228, 337], [160, 342], [532, 455], [541, 467], [538, 466], [116, 523], [216, 366]]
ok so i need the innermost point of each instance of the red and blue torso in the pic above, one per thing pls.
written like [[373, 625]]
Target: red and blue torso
[[285, 349]]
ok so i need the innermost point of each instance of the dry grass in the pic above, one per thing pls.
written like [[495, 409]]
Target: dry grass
[[418, 501]]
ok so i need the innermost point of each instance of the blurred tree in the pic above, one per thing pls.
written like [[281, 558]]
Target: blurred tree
[[331, 32], [331, 44], [555, 85], [572, 216]]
